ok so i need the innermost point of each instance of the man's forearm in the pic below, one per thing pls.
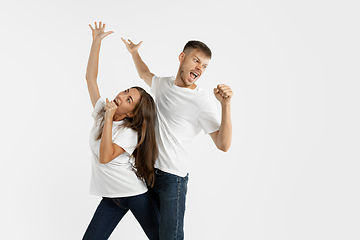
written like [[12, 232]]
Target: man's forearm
[[141, 68], [225, 132]]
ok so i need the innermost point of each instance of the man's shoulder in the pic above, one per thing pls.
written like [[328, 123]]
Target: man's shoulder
[[160, 81], [205, 99], [204, 93], [168, 78]]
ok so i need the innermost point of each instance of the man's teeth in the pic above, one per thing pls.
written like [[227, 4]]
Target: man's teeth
[[195, 74]]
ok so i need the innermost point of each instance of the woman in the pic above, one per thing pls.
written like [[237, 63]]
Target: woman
[[124, 151]]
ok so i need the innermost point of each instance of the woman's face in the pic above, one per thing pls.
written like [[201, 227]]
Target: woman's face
[[126, 102]]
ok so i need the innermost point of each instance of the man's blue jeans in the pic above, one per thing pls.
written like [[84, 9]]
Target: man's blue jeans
[[169, 192], [111, 210]]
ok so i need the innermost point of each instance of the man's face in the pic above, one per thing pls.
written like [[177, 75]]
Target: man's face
[[192, 66]]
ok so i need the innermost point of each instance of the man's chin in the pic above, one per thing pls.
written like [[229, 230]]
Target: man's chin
[[190, 82]]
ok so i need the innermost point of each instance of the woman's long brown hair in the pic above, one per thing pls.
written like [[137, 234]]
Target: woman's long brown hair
[[143, 123]]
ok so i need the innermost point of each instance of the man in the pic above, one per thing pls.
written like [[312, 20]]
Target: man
[[183, 110]]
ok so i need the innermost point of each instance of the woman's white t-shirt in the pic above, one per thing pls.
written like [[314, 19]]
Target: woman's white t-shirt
[[116, 178]]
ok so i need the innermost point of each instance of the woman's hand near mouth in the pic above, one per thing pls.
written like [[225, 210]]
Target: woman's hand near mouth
[[110, 109]]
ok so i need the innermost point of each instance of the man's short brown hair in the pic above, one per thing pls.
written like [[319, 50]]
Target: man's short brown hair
[[193, 44]]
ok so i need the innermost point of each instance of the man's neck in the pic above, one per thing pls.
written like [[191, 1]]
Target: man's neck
[[180, 83]]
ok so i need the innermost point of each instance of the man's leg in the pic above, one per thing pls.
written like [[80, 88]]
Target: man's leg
[[170, 192]]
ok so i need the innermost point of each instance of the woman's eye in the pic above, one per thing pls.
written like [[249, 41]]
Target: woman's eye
[[128, 100]]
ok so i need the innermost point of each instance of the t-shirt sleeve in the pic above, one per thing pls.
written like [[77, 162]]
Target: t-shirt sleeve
[[209, 118], [154, 85], [126, 138], [99, 105]]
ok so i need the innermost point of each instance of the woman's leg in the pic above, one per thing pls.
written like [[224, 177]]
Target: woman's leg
[[107, 215], [147, 214]]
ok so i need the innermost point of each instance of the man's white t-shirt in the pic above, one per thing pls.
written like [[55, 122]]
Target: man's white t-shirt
[[116, 178], [181, 114]]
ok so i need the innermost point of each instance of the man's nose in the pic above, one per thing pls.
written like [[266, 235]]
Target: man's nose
[[199, 67]]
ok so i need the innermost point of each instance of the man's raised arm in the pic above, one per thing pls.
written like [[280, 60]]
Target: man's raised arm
[[141, 67], [222, 137]]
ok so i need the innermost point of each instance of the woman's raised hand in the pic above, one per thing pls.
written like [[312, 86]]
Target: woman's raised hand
[[131, 47], [98, 33]]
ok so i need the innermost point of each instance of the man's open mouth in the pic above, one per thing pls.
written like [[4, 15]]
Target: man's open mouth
[[194, 75]]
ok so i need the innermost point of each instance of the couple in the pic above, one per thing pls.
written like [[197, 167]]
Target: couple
[[139, 146]]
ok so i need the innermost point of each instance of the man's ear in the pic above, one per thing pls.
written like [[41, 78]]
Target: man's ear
[[182, 57]]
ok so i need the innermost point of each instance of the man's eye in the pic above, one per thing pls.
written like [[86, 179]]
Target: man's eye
[[204, 66], [196, 60]]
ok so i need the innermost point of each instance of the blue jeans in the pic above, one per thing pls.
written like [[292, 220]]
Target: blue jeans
[[169, 192], [111, 210]]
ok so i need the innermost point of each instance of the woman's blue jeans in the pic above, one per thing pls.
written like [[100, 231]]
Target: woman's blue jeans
[[169, 192], [111, 210]]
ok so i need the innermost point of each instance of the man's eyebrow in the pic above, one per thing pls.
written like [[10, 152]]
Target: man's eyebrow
[[200, 60], [205, 64]]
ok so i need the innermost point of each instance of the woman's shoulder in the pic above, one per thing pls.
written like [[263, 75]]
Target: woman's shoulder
[[126, 132], [99, 105], [126, 138]]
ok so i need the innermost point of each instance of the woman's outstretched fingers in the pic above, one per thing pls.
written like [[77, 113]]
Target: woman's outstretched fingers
[[108, 33]]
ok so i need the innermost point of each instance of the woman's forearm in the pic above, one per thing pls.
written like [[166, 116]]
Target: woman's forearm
[[93, 63], [106, 145]]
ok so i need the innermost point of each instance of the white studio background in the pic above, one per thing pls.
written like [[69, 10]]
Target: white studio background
[[292, 170]]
